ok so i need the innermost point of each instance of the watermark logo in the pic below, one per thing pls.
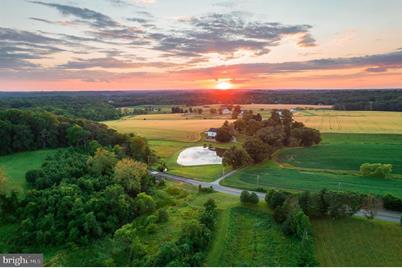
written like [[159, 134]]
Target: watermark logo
[[21, 260]]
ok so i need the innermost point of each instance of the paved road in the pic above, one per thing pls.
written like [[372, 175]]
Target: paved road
[[384, 215]]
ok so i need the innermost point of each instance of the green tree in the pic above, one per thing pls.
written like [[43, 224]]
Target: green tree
[[130, 175], [273, 136], [306, 136], [76, 135], [225, 133], [144, 203], [103, 162], [377, 170], [236, 157], [257, 149]]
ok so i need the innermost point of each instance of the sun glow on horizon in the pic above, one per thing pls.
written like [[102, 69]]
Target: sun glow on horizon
[[223, 85]]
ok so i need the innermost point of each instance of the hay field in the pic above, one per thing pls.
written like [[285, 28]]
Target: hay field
[[352, 121], [165, 129]]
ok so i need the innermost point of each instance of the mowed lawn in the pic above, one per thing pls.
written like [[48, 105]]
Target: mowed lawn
[[357, 242], [165, 129], [352, 121], [16, 165], [270, 175], [347, 152], [247, 237]]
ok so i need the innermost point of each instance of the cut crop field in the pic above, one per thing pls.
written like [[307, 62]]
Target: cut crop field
[[16, 165], [247, 237], [357, 242], [165, 129], [347, 152], [351, 121]]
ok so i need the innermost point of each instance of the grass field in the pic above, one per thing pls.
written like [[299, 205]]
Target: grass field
[[347, 152], [165, 129], [351, 121], [357, 242], [247, 237], [16, 165]]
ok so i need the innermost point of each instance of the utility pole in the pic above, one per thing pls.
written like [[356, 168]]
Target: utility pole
[[258, 181]]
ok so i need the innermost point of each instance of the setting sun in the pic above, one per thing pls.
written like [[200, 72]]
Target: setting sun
[[223, 85]]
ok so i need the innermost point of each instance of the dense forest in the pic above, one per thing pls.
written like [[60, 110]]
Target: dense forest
[[100, 106]]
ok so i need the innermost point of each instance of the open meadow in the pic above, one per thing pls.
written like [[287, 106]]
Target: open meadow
[[250, 237], [16, 165]]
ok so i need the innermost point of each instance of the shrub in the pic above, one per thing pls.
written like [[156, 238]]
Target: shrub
[[280, 214], [207, 190], [144, 203], [163, 215], [392, 203], [151, 228], [253, 199], [275, 199], [377, 170], [32, 175], [244, 196]]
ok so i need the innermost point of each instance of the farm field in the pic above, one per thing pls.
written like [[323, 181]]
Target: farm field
[[165, 129], [16, 165], [270, 175], [351, 121], [357, 242], [347, 152], [334, 165], [248, 237]]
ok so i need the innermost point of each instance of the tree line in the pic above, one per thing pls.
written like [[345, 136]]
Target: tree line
[[23, 130]]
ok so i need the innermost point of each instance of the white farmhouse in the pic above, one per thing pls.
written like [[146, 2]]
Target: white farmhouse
[[211, 133], [226, 111]]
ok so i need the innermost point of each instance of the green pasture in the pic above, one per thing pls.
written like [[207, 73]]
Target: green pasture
[[270, 175], [16, 165], [347, 152]]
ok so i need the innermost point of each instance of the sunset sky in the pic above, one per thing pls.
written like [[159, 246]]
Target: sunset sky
[[183, 44]]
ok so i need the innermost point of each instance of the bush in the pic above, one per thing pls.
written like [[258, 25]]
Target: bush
[[151, 228], [392, 203], [276, 199], [246, 197], [377, 170], [163, 215], [144, 203], [280, 214], [253, 199], [32, 175], [207, 190]]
